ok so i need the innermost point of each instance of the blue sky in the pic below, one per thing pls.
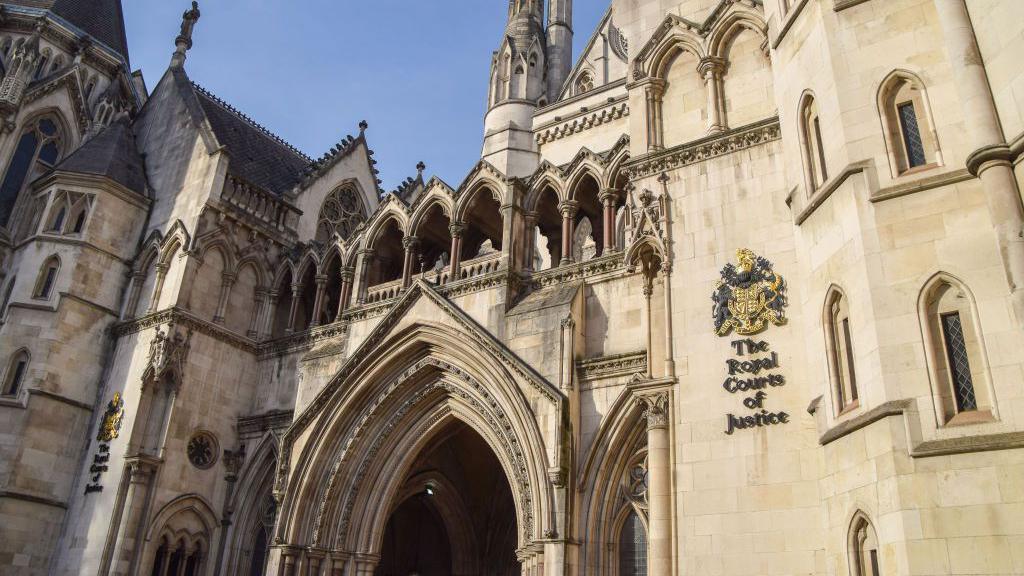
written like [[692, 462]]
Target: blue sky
[[310, 70]]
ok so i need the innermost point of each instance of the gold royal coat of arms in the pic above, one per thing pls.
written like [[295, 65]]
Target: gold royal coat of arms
[[749, 297]]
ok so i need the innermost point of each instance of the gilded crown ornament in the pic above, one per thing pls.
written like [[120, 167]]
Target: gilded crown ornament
[[749, 297]]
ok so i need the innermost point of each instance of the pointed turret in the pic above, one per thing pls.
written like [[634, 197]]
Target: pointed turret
[[183, 43], [518, 86]]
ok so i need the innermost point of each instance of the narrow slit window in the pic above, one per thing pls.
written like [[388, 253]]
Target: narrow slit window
[[16, 374], [911, 135], [958, 362]]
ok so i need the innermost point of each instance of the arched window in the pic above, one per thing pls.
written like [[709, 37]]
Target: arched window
[[79, 212], [47, 278], [41, 69], [585, 83], [840, 352], [16, 371], [633, 546], [813, 147], [341, 213], [906, 118], [955, 352], [863, 548], [38, 150], [89, 88], [57, 221]]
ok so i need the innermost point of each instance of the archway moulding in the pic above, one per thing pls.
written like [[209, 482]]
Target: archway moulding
[[404, 380]]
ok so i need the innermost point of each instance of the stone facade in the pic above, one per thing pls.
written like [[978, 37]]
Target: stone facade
[[740, 292]]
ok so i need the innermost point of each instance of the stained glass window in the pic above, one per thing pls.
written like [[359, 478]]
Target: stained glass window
[[911, 135], [633, 547], [959, 364]]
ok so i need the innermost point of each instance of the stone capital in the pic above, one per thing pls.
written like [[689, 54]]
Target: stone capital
[[655, 407], [410, 242], [568, 208], [456, 229], [711, 67]]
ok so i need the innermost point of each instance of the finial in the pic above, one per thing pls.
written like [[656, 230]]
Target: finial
[[183, 43], [363, 126], [420, 167]]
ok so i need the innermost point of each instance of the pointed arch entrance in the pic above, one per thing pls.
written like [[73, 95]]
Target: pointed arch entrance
[[455, 513], [356, 463]]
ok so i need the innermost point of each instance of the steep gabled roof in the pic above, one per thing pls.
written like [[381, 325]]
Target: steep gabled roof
[[257, 155], [112, 154], [101, 19]]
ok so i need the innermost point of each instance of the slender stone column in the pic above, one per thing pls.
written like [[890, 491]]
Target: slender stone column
[[456, 231], [529, 250], [670, 363], [365, 259], [711, 69], [411, 245], [289, 561], [607, 198], [347, 275], [132, 529], [659, 483], [138, 279], [314, 558], [653, 93], [293, 312], [991, 158], [318, 302], [365, 565], [260, 305], [269, 311], [161, 276], [227, 281], [648, 291], [338, 562], [568, 209]]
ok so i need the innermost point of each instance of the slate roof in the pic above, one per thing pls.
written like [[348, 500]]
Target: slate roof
[[101, 19], [111, 153], [257, 155]]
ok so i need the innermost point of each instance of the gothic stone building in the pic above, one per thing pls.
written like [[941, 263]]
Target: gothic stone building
[[737, 290]]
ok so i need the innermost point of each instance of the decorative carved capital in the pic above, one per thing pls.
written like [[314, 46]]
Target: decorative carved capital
[[456, 229], [711, 67], [568, 323], [656, 409], [410, 242], [608, 196], [568, 208], [557, 477]]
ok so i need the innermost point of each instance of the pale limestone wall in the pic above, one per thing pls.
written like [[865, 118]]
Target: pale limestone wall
[[747, 84], [354, 166], [998, 30], [685, 103]]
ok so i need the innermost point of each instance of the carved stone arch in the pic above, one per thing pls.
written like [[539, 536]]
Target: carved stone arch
[[585, 167], [548, 179], [310, 259], [457, 522], [380, 220], [178, 519], [663, 48], [423, 208], [226, 248], [148, 253], [422, 368], [255, 484], [736, 18], [468, 194], [287, 267], [259, 265], [333, 251], [859, 529], [617, 159], [603, 503], [177, 234]]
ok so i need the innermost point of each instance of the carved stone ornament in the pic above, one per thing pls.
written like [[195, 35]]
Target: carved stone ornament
[[168, 351], [749, 297], [655, 408], [202, 450], [110, 426]]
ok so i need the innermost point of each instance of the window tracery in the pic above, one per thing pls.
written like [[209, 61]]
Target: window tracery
[[340, 214], [38, 150]]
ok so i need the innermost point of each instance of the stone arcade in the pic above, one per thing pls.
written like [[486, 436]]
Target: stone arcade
[[219, 356]]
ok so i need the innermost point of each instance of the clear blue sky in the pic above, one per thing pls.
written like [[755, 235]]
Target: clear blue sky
[[310, 70]]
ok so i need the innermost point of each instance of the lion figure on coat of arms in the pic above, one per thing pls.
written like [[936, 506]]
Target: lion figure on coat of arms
[[749, 297]]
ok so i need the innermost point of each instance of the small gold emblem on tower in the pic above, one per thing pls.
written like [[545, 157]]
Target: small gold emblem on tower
[[110, 426]]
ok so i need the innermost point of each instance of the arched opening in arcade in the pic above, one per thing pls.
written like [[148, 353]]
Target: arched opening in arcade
[[455, 513]]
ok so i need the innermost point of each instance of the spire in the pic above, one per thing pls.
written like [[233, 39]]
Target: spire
[[559, 36], [183, 42]]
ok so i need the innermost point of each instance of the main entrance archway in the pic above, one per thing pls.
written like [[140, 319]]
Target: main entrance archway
[[455, 513]]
